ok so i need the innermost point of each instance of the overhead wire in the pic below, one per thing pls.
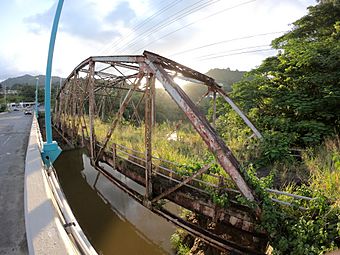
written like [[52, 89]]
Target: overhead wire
[[187, 11], [224, 41], [238, 53], [144, 22], [181, 14], [190, 24], [228, 51]]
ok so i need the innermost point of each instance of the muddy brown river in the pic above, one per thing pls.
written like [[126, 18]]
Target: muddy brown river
[[114, 223]]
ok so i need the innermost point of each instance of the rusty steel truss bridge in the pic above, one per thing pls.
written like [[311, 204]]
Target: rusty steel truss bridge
[[77, 106]]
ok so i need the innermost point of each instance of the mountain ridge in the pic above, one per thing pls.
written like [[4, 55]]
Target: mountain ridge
[[28, 79]]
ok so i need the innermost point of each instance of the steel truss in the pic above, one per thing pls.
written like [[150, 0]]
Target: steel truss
[[85, 91]]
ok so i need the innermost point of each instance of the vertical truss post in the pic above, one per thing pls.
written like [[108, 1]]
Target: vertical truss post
[[148, 136], [91, 109], [65, 108], [55, 111], [74, 107], [60, 108], [153, 103], [214, 110]]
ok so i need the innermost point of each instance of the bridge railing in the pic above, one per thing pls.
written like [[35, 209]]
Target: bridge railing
[[71, 225], [138, 158]]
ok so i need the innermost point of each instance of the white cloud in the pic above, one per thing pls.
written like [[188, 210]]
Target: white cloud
[[89, 26]]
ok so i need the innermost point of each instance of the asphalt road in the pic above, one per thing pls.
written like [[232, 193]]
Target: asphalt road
[[14, 134]]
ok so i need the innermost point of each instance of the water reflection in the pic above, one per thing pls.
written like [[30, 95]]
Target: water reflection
[[113, 222]]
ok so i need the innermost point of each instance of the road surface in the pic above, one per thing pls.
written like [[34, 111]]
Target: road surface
[[14, 134]]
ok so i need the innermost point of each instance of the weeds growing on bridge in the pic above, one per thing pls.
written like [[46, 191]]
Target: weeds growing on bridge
[[306, 227]]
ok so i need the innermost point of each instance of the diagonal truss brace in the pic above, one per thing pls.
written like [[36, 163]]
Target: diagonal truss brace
[[201, 124], [117, 118], [176, 187]]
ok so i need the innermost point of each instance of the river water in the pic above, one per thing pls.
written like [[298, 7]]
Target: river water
[[113, 222]]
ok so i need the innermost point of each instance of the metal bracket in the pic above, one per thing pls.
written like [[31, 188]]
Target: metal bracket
[[50, 153], [67, 227]]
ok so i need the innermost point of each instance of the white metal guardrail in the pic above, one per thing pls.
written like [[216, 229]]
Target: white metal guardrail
[[73, 231]]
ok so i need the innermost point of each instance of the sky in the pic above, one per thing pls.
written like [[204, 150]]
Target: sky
[[201, 34]]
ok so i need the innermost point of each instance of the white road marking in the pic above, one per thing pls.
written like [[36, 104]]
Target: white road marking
[[7, 139]]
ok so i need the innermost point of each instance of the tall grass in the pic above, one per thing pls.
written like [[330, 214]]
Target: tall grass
[[323, 164], [320, 166]]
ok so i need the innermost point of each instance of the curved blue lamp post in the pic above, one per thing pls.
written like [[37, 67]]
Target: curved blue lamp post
[[50, 150]]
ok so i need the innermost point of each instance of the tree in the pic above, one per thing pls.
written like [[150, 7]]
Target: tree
[[297, 92]]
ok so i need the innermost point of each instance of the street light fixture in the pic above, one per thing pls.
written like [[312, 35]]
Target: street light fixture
[[50, 150]]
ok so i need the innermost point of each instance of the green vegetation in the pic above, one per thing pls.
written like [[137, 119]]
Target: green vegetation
[[178, 242], [297, 93], [294, 99]]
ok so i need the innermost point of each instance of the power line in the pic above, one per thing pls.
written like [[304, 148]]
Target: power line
[[224, 41], [209, 16], [238, 53], [239, 49], [145, 21], [183, 13]]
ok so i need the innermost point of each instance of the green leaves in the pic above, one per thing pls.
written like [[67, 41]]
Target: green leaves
[[298, 91]]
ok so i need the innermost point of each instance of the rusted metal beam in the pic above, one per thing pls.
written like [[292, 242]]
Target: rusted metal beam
[[239, 112], [104, 59], [153, 101], [176, 187], [200, 123], [91, 108], [214, 110], [105, 74], [119, 59], [148, 137], [131, 67], [74, 107], [184, 70]]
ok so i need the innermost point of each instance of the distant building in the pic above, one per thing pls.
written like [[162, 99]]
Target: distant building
[[26, 104]]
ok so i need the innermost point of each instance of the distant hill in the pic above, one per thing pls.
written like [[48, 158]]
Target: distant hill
[[225, 76], [168, 110], [29, 80]]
